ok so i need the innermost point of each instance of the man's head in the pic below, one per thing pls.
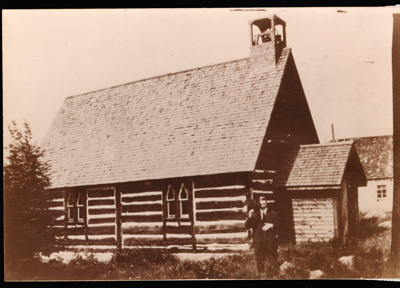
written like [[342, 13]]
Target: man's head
[[262, 201]]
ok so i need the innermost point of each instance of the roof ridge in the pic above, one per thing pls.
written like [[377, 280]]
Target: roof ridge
[[363, 137], [163, 75], [328, 144], [378, 136]]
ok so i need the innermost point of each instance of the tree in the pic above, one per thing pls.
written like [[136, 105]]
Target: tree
[[27, 219], [395, 248]]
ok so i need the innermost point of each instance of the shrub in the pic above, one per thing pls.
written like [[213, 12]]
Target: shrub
[[369, 225]]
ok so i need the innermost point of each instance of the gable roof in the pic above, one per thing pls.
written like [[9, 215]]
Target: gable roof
[[202, 121], [376, 155], [314, 165]]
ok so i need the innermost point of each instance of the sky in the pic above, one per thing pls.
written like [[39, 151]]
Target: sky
[[343, 56]]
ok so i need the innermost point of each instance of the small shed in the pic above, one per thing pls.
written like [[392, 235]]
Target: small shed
[[317, 184]]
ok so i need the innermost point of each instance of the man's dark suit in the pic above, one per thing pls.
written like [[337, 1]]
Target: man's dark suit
[[265, 242]]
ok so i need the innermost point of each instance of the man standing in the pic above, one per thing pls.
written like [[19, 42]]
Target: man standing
[[264, 228]]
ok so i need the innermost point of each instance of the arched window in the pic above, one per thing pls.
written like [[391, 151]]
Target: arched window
[[171, 206], [70, 207], [80, 207], [184, 202], [76, 206]]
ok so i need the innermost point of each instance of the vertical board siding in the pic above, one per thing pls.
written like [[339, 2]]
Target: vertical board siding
[[141, 214], [313, 219], [220, 216]]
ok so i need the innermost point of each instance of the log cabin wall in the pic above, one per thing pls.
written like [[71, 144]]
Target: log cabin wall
[[136, 214], [89, 220], [142, 214], [101, 215], [262, 184], [219, 210], [55, 203]]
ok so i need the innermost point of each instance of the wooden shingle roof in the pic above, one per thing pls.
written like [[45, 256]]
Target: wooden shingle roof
[[202, 121], [376, 156], [314, 165]]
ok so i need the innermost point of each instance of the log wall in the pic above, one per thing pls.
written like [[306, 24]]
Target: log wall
[[55, 203], [262, 184], [101, 216], [141, 215], [220, 214], [131, 215]]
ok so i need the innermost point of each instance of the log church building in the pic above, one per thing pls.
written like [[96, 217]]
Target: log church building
[[173, 160]]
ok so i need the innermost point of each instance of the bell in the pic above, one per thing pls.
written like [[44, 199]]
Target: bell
[[265, 37]]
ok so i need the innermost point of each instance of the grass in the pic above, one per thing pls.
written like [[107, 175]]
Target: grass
[[370, 251]]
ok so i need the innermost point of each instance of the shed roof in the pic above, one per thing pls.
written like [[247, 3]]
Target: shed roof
[[202, 121], [376, 155], [314, 165]]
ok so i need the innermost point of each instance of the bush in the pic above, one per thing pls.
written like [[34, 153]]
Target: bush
[[369, 225]]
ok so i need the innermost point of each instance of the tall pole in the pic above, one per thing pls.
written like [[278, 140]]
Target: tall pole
[[333, 132], [395, 248]]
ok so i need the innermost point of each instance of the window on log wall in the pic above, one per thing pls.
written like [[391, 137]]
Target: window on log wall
[[184, 202], [177, 203], [76, 210], [171, 211]]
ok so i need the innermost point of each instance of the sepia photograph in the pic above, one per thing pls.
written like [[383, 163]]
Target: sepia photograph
[[208, 143]]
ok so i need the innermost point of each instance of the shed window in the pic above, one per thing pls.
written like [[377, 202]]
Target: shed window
[[381, 192]]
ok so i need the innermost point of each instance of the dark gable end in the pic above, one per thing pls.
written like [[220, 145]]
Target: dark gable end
[[290, 123], [354, 169], [291, 118], [203, 121]]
